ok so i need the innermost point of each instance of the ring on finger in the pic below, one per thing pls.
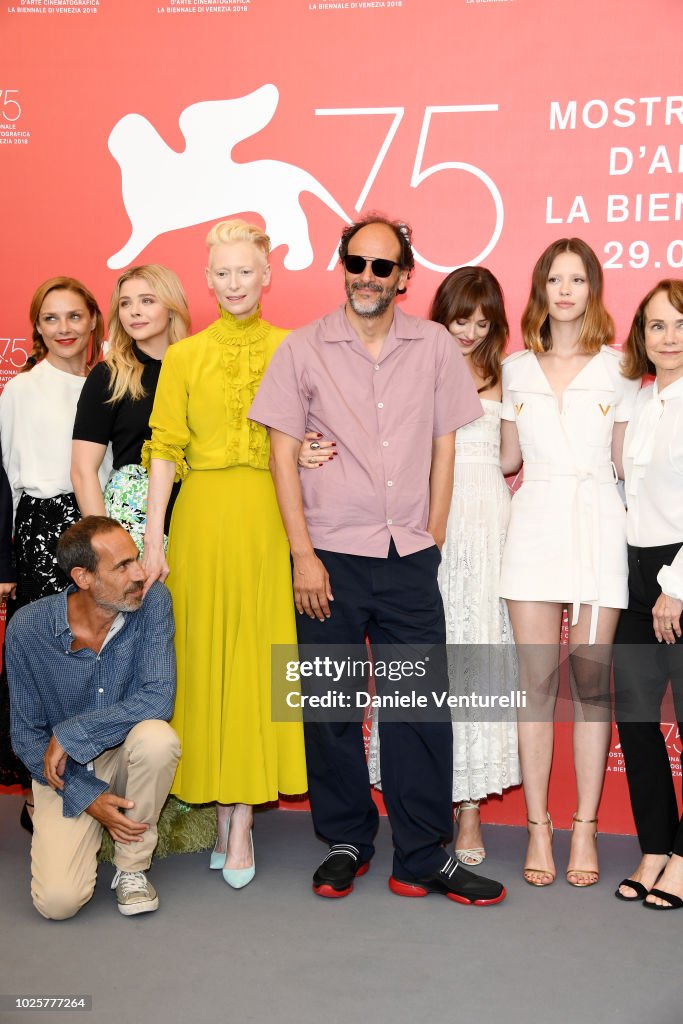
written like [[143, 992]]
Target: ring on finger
[[311, 461], [314, 445]]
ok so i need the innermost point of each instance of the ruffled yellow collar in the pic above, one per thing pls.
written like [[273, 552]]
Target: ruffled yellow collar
[[235, 331]]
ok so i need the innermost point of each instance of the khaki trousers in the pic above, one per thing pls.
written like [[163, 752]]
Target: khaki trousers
[[64, 850]]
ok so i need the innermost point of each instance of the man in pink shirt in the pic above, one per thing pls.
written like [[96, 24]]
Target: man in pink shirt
[[365, 536]]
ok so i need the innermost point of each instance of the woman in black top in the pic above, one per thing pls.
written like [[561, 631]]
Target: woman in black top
[[148, 313]]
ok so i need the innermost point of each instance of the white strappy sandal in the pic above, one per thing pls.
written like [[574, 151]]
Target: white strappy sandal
[[476, 854]]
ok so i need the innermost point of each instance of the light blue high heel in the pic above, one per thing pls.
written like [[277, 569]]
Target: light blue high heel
[[239, 877], [217, 862]]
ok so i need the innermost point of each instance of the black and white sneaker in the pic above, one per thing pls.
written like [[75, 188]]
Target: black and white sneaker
[[455, 883], [335, 876]]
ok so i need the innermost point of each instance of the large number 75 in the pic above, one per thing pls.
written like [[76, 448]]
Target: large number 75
[[420, 173]]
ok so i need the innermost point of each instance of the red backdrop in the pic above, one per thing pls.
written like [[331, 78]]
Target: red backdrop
[[492, 126]]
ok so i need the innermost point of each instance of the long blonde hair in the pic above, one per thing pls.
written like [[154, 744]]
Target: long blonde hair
[[125, 371], [64, 284]]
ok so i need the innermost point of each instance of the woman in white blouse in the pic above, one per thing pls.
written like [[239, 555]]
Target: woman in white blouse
[[653, 466], [37, 409]]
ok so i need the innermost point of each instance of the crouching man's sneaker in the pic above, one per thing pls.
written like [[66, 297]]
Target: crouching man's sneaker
[[334, 878], [456, 883], [134, 893]]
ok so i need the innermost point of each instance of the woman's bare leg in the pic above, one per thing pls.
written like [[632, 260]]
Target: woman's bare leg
[[239, 840], [223, 813], [536, 626], [592, 733], [469, 831]]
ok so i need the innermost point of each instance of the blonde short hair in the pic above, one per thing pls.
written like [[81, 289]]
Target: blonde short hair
[[228, 231]]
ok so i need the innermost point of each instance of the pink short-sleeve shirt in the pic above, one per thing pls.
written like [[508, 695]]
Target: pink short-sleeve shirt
[[383, 416]]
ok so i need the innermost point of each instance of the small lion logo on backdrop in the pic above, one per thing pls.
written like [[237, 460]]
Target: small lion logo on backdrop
[[164, 190]]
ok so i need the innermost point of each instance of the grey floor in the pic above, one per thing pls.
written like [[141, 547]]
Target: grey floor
[[275, 952]]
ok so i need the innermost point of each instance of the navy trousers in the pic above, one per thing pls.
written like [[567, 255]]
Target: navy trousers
[[396, 601]]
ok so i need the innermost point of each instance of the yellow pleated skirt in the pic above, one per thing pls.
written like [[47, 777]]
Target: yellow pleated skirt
[[231, 586]]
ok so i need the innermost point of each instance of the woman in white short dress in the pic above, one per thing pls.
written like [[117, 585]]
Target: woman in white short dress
[[565, 408]]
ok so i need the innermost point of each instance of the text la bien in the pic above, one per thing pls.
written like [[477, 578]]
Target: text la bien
[[639, 207]]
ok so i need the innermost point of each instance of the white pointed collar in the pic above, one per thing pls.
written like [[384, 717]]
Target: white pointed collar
[[640, 444]]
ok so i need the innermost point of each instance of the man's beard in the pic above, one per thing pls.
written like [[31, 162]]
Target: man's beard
[[129, 601], [385, 297]]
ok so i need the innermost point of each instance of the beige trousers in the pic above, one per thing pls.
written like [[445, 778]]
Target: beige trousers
[[64, 850]]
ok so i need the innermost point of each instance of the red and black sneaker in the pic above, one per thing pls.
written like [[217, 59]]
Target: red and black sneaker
[[456, 883], [334, 878]]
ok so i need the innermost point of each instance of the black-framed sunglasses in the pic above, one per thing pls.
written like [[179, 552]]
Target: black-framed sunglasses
[[357, 264]]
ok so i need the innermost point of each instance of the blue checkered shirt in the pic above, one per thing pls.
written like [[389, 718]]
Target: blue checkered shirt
[[89, 701]]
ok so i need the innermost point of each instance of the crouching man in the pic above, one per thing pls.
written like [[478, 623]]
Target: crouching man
[[92, 683]]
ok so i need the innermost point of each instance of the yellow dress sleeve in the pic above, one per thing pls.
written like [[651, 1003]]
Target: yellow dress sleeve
[[170, 430]]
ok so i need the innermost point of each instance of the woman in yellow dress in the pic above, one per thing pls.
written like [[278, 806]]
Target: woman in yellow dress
[[229, 576]]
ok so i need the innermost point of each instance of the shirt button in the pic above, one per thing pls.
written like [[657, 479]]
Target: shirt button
[[380, 405], [390, 522], [390, 483], [100, 690], [385, 444], [377, 366]]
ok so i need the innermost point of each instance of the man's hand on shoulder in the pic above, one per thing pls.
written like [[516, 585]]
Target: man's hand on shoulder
[[108, 809], [54, 763], [312, 591]]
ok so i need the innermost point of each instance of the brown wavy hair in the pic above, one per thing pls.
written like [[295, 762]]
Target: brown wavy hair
[[635, 363], [597, 328], [64, 284], [125, 371], [458, 297]]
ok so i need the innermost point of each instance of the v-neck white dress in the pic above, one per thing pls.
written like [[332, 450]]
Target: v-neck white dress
[[566, 539]]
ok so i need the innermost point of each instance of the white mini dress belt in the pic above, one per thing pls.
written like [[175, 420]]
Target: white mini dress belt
[[588, 525]]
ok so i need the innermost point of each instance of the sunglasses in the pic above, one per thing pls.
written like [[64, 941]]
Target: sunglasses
[[357, 264]]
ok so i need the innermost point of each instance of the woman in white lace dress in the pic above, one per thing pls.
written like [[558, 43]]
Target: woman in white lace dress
[[469, 303]]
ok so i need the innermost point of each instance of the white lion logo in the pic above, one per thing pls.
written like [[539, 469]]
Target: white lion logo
[[164, 190]]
